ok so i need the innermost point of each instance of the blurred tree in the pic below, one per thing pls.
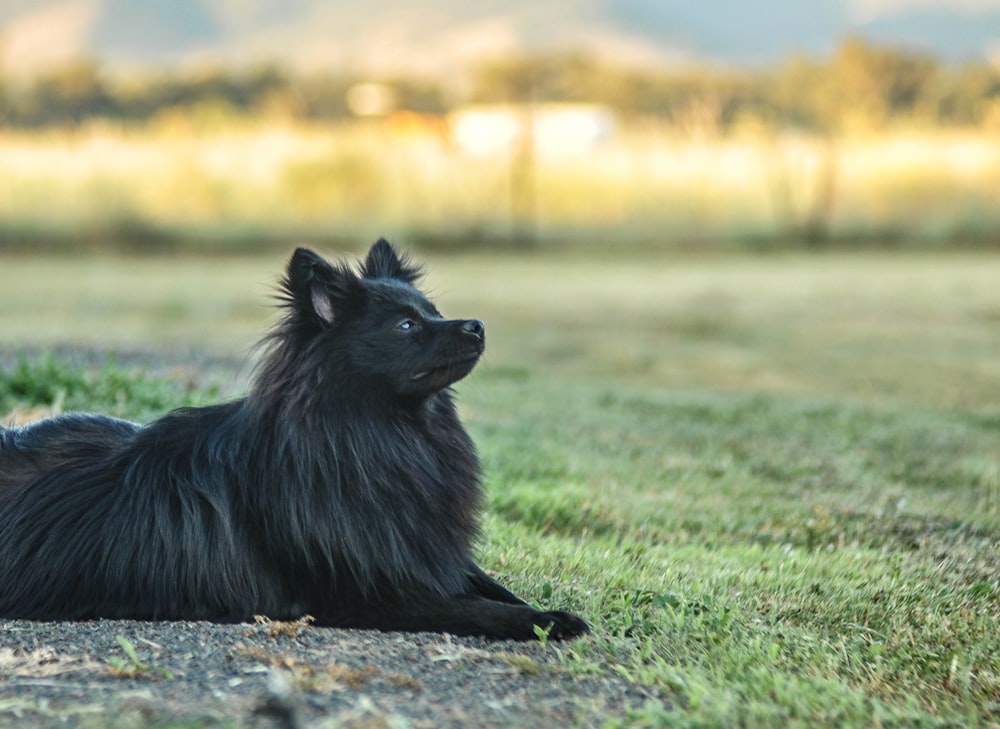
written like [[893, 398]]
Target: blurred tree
[[799, 93], [421, 95], [509, 80], [862, 85], [565, 76], [4, 103], [966, 95], [873, 84], [324, 96], [69, 93]]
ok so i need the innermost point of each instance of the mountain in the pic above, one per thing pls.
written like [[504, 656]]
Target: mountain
[[437, 35]]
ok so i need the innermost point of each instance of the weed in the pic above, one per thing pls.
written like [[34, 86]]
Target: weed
[[520, 663], [543, 635], [132, 667]]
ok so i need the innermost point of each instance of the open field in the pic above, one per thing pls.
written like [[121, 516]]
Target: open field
[[201, 184], [771, 483], [915, 329]]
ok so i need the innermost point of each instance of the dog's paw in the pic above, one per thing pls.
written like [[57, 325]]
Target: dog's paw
[[562, 625]]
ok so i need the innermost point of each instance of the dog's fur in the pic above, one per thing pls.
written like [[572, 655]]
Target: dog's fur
[[342, 486]]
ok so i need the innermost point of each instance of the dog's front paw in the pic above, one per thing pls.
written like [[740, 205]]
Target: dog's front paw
[[562, 625]]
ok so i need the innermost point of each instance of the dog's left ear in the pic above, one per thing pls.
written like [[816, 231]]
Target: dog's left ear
[[384, 261], [314, 288]]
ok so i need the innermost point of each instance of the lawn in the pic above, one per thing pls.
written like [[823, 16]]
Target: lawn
[[772, 483]]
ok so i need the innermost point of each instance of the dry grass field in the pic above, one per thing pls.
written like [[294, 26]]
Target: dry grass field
[[241, 184]]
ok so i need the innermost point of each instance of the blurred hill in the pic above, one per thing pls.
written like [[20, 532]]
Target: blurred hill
[[435, 35]]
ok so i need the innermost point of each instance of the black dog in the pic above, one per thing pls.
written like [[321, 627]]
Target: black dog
[[342, 486]]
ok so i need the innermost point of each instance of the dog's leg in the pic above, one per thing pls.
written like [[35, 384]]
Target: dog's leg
[[486, 586], [461, 615]]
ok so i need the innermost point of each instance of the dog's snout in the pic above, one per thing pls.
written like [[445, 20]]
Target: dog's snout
[[474, 327]]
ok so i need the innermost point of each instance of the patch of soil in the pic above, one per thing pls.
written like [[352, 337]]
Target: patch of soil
[[290, 676]]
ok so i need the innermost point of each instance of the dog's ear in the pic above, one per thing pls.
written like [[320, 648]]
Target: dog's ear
[[384, 261], [314, 288]]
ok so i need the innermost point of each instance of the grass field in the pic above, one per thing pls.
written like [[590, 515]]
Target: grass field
[[771, 483]]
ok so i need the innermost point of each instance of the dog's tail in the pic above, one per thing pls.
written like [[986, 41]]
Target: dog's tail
[[6, 437], [10, 435], [65, 435]]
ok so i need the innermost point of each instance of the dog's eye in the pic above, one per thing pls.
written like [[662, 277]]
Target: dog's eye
[[407, 325]]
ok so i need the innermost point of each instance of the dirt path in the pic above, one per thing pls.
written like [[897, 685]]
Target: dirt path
[[288, 675]]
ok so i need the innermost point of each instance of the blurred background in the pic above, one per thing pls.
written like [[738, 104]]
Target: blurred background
[[845, 136], [237, 124]]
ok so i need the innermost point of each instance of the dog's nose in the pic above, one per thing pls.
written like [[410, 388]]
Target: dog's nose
[[474, 327]]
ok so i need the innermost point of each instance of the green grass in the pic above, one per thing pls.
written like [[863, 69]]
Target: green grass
[[46, 382], [762, 561], [771, 484]]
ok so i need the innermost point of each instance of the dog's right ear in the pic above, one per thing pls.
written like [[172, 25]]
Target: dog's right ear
[[314, 288]]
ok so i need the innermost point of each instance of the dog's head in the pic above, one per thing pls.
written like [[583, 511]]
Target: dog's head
[[376, 324]]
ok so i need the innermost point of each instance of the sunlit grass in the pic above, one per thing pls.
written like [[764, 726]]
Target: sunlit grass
[[241, 184]]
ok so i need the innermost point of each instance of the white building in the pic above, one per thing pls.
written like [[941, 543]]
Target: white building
[[554, 130]]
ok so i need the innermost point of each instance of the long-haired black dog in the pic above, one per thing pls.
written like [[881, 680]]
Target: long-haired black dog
[[342, 486]]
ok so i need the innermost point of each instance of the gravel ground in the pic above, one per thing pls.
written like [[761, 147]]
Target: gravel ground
[[281, 675], [289, 675]]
